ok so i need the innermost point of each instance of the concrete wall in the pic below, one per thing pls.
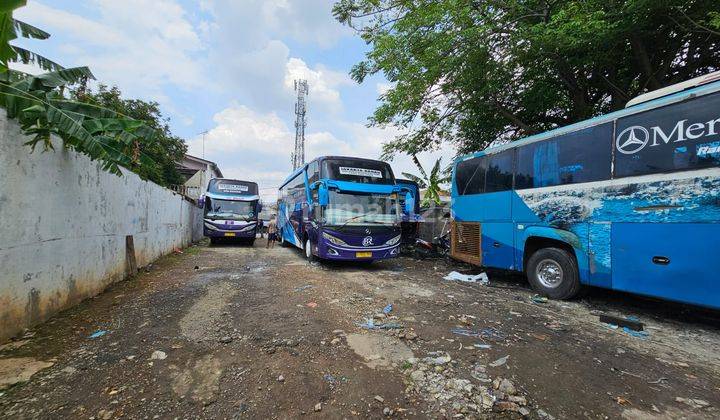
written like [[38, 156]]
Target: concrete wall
[[63, 228]]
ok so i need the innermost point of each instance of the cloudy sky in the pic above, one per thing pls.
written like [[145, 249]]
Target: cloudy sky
[[227, 67]]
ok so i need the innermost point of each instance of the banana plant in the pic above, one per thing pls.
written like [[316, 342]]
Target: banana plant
[[430, 183], [38, 103]]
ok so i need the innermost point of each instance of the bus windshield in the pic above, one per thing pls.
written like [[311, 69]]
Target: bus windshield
[[228, 209], [366, 209]]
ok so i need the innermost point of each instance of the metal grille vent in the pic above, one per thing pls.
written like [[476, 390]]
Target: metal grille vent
[[465, 244]]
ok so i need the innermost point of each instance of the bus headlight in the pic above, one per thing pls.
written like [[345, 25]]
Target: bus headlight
[[393, 241], [248, 228], [333, 240]]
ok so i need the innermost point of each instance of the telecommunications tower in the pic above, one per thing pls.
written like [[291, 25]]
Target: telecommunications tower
[[298, 155]]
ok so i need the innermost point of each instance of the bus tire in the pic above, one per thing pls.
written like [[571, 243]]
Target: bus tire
[[308, 251], [213, 241], [283, 242], [553, 272], [251, 242]]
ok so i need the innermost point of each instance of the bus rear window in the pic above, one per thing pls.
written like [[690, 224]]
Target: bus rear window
[[358, 170]]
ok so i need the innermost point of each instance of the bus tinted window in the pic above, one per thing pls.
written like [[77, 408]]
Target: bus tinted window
[[470, 176], [358, 170], [499, 175], [582, 156], [674, 138], [313, 172]]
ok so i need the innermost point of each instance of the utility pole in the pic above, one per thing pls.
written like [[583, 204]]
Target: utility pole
[[203, 147], [298, 155]]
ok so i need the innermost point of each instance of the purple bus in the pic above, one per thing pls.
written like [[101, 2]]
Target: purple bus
[[342, 208], [231, 210]]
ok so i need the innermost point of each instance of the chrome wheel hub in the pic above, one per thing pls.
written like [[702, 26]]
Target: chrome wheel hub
[[549, 273]]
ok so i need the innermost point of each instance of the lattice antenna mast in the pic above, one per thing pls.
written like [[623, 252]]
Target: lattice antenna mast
[[298, 155]]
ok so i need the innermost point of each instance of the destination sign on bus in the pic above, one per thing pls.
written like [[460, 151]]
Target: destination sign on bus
[[372, 173], [232, 187]]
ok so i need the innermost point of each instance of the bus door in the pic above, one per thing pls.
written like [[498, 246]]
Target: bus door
[[497, 239]]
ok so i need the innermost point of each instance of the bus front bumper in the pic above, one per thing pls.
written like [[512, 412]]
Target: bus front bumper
[[212, 230], [334, 252]]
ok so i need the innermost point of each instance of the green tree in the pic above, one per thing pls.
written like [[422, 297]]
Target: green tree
[[165, 151], [432, 184], [472, 72]]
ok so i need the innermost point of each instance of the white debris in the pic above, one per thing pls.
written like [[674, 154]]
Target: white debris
[[158, 355], [481, 278]]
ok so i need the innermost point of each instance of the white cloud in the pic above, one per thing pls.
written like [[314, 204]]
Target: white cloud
[[324, 83], [306, 21], [240, 129], [383, 87], [138, 45]]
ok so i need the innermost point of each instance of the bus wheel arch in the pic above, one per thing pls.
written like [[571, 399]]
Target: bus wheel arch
[[551, 267]]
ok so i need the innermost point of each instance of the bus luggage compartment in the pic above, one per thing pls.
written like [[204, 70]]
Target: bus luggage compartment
[[676, 261]]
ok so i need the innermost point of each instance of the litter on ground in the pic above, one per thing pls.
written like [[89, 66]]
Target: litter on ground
[[98, 333], [481, 278], [499, 362]]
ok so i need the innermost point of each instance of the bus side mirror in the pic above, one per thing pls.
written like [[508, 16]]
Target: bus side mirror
[[323, 198], [409, 203]]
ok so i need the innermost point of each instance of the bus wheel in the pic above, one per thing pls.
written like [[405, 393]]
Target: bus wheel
[[251, 242], [213, 241], [553, 273], [308, 251], [282, 238]]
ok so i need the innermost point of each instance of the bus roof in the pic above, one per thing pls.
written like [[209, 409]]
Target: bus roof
[[635, 109], [319, 158]]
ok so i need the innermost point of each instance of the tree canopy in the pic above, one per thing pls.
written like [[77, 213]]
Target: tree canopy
[[165, 150], [474, 72]]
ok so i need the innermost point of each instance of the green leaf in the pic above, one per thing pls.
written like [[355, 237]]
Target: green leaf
[[10, 5], [28, 57], [29, 31]]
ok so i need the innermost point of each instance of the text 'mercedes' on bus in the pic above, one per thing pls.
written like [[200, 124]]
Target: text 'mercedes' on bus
[[343, 208], [231, 209], [627, 201]]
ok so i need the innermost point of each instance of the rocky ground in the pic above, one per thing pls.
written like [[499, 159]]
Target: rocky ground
[[231, 332]]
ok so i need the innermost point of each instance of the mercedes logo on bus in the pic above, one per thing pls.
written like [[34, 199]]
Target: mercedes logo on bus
[[367, 241], [632, 140]]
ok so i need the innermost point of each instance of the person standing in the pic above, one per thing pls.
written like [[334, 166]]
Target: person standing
[[272, 232]]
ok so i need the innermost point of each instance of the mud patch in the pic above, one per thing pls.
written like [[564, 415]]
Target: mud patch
[[379, 351], [202, 319], [18, 370], [199, 381]]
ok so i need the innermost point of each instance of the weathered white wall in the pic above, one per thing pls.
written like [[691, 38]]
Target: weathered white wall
[[63, 223]]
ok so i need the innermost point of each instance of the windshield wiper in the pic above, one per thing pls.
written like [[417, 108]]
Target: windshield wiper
[[375, 222]]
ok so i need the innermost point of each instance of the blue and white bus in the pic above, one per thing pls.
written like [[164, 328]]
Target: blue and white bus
[[342, 208], [627, 201], [231, 209]]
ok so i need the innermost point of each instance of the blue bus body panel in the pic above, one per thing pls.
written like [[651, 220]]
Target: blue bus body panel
[[693, 251]]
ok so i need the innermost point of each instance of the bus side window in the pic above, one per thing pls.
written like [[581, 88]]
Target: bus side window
[[470, 176], [313, 172], [582, 156], [499, 172]]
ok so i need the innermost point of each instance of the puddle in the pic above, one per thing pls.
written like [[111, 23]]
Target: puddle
[[18, 370], [379, 351]]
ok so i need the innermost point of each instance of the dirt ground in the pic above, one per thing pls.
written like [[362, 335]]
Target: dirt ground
[[235, 332]]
